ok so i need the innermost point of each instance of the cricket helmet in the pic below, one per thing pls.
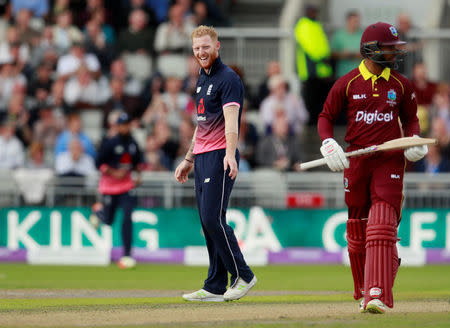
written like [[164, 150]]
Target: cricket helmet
[[377, 35]]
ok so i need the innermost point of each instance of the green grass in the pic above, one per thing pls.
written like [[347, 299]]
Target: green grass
[[433, 280], [412, 284]]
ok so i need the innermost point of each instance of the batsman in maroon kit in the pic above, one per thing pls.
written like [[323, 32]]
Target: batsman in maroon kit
[[380, 105]]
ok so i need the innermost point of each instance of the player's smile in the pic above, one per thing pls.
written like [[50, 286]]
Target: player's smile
[[205, 51]]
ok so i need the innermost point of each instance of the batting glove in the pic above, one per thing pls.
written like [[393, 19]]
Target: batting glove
[[334, 155], [413, 154]]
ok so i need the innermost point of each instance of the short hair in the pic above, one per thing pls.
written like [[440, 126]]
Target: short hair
[[203, 30]]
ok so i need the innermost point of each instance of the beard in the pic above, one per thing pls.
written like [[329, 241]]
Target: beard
[[206, 64]]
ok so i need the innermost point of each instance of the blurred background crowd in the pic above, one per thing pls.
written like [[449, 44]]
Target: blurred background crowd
[[69, 68]]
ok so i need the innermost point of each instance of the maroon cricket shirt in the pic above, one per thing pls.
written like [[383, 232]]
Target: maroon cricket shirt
[[373, 106]]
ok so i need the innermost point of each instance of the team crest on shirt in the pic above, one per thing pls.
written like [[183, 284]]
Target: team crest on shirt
[[392, 96], [198, 89]]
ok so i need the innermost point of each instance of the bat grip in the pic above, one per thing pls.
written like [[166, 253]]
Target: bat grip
[[311, 164]]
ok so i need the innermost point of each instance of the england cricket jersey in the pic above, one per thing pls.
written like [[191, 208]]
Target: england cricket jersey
[[217, 89], [377, 107]]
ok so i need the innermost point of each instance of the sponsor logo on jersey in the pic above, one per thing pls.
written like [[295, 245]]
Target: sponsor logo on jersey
[[201, 118], [198, 89], [207, 180], [370, 118], [208, 93], [395, 176], [375, 292], [363, 96]]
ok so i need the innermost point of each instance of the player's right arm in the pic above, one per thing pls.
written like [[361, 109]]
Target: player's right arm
[[330, 149], [186, 165]]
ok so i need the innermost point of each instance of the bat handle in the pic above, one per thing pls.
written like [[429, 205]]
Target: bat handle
[[311, 164]]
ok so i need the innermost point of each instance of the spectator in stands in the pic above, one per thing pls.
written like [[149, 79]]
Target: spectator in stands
[[190, 81], [118, 69], [153, 154], [112, 127], [27, 34], [345, 44], [58, 7], [280, 150], [160, 8], [440, 131], [424, 90], [143, 5], [74, 130], [413, 45], [86, 13], [69, 64], [272, 68], [64, 32], [280, 98], [132, 105], [423, 87], [433, 162], [313, 62], [20, 116], [138, 37], [175, 100], [201, 15], [48, 127], [10, 77], [441, 104], [168, 146], [36, 157], [83, 91], [39, 8], [248, 141], [99, 17], [96, 44], [156, 107], [56, 97], [41, 83], [12, 154], [43, 48], [173, 43], [185, 134], [74, 162], [14, 49]]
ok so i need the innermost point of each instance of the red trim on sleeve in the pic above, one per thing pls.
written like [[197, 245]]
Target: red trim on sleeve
[[233, 103]]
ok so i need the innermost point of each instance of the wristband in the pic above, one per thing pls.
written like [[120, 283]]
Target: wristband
[[188, 160]]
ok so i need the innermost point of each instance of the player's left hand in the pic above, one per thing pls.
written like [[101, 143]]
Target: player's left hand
[[413, 154], [230, 161]]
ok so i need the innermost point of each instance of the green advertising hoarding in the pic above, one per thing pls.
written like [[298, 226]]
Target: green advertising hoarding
[[177, 228]]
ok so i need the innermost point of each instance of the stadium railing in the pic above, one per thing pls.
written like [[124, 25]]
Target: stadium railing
[[266, 188]]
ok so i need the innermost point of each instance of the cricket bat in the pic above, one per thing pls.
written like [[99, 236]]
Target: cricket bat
[[400, 143]]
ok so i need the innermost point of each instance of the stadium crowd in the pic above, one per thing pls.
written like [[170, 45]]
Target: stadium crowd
[[69, 68]]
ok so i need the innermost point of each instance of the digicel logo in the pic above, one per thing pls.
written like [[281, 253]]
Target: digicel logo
[[369, 118]]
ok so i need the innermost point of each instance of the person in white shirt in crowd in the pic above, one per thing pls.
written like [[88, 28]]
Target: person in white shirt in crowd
[[173, 43], [69, 64], [83, 91], [12, 153], [64, 32], [280, 97], [74, 162]]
